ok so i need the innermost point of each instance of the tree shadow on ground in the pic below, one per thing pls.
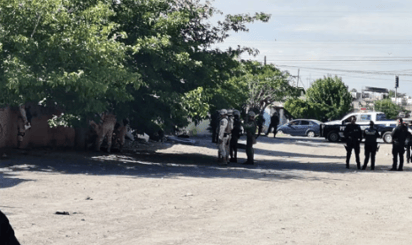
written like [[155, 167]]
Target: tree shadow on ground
[[310, 142], [162, 165], [9, 179]]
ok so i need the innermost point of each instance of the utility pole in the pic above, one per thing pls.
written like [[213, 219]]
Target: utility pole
[[297, 82], [264, 62], [396, 89]]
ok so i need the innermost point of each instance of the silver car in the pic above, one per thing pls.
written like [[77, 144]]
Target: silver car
[[301, 127]]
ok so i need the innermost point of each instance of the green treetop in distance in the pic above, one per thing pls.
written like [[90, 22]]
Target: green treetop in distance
[[326, 98]]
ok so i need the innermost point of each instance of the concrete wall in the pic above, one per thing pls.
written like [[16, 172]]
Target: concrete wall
[[39, 135]]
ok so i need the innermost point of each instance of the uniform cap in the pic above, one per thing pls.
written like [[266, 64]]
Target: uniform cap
[[223, 112], [236, 112], [230, 112], [251, 113]]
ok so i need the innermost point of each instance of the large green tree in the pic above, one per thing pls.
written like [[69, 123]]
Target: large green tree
[[173, 52], [64, 53], [267, 84], [255, 86], [390, 109], [144, 59], [327, 98]]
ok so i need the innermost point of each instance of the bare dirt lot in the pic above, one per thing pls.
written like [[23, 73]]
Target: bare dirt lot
[[299, 192]]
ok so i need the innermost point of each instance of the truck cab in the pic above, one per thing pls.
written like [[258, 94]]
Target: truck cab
[[333, 131]]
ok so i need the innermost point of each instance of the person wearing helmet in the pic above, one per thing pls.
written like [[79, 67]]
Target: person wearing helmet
[[236, 132], [214, 124], [250, 129], [224, 137]]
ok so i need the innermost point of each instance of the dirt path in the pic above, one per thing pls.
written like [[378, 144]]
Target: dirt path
[[299, 192]]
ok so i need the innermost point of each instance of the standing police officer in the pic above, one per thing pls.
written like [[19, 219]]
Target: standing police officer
[[250, 129], [371, 146], [214, 124], [236, 132], [408, 145], [223, 137], [399, 135], [229, 129], [274, 121], [259, 122], [353, 135]]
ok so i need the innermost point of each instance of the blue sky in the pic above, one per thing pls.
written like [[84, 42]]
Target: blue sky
[[367, 43]]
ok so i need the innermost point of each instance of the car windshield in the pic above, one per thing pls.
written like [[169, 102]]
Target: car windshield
[[380, 117], [316, 122]]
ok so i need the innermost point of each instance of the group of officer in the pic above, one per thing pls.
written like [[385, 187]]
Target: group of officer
[[227, 129], [400, 139]]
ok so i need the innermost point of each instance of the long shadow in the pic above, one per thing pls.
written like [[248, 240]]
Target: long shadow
[[310, 142], [8, 180], [294, 155], [156, 165]]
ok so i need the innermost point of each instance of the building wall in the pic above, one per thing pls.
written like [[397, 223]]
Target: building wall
[[39, 135]]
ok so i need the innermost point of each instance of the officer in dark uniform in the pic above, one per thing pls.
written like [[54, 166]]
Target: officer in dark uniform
[[214, 123], [371, 146], [6, 231], [236, 132], [353, 135], [274, 121], [259, 122], [408, 145], [250, 129], [399, 135]]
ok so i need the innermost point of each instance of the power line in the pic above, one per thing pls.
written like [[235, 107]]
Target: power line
[[405, 60], [349, 71]]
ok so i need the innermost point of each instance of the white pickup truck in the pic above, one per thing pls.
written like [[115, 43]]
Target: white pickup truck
[[333, 131]]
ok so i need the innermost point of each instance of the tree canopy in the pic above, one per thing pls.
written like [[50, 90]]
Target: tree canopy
[[390, 109], [261, 85], [147, 60], [326, 98], [63, 53]]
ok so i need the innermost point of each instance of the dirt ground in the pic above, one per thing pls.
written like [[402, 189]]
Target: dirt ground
[[299, 192]]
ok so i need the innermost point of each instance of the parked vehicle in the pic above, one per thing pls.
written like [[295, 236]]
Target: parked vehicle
[[301, 127], [333, 131]]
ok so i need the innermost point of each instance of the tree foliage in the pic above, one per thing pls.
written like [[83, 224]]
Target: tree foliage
[[390, 109], [149, 60], [172, 43], [63, 53], [267, 84], [255, 86], [326, 98], [300, 108]]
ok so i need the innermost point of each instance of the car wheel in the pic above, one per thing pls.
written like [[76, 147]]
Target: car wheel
[[333, 136], [387, 137], [311, 134]]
